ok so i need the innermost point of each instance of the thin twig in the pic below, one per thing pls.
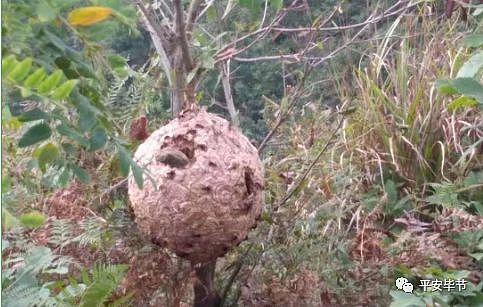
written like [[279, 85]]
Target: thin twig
[[294, 57], [284, 115], [238, 265], [369, 21], [192, 14], [112, 188], [157, 37], [264, 14], [225, 80], [302, 177]]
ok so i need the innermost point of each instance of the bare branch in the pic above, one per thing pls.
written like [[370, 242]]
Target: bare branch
[[282, 116], [192, 14], [301, 178], [264, 14], [339, 49], [180, 31], [158, 38], [295, 57], [166, 8], [121, 184], [395, 9], [207, 6], [262, 33], [225, 80]]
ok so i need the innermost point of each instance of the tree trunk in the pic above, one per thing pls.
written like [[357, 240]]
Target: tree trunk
[[177, 88], [204, 287]]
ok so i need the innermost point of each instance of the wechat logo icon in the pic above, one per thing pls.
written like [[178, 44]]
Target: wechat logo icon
[[403, 284]]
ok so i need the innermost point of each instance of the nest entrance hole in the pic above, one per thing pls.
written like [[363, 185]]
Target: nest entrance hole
[[249, 184], [182, 143]]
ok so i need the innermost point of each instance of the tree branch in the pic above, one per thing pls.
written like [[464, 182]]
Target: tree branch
[[395, 9], [180, 31], [192, 14], [225, 80], [301, 178], [293, 97], [295, 57], [157, 36]]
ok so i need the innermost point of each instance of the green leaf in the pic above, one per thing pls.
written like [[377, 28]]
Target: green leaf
[[462, 101], [34, 114], [8, 220], [277, 4], [124, 161], [98, 139], [72, 134], [121, 72], [211, 13], [48, 153], [207, 61], [21, 70], [469, 87], [477, 12], [87, 117], [45, 12], [60, 44], [253, 5], [32, 219], [8, 64], [34, 79], [25, 92], [464, 86], [63, 177], [116, 61], [402, 299], [68, 148], [123, 300], [35, 134], [6, 183], [473, 40], [477, 256], [445, 87], [64, 89], [5, 245], [105, 280], [391, 191], [444, 194], [50, 82], [81, 173], [474, 177], [471, 67], [138, 174]]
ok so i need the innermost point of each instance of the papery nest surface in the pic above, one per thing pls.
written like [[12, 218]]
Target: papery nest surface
[[203, 188]]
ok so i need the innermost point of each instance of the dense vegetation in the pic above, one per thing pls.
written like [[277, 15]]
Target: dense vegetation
[[367, 115]]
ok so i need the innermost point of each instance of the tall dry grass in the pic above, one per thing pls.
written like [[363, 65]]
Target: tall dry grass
[[402, 123]]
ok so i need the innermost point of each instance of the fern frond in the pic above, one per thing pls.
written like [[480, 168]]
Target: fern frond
[[105, 279], [61, 232], [93, 229], [115, 90], [23, 287], [24, 295]]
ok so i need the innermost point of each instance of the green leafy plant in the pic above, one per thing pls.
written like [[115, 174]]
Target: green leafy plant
[[466, 84], [23, 282], [95, 288]]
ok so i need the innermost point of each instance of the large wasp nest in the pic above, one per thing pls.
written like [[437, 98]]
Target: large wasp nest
[[203, 188]]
